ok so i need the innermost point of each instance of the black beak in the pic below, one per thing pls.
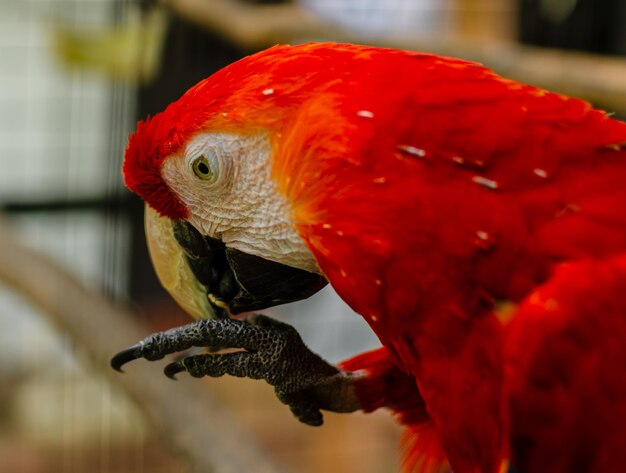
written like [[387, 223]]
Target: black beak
[[237, 281]]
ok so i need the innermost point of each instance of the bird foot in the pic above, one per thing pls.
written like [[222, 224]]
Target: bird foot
[[270, 350]]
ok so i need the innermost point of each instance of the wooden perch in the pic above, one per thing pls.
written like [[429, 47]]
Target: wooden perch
[[599, 79], [250, 26], [189, 421]]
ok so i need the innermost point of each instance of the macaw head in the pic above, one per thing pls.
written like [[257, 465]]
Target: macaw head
[[217, 163], [243, 159]]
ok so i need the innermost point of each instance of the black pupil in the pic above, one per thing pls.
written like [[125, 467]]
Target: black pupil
[[203, 168]]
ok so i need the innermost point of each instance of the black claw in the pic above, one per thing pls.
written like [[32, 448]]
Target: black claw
[[270, 350], [126, 355], [314, 422], [173, 369]]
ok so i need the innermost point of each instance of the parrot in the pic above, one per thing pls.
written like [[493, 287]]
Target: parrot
[[476, 223]]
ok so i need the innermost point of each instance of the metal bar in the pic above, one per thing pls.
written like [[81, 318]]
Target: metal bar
[[98, 204]]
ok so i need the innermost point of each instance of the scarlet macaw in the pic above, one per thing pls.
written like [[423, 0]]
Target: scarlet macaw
[[428, 191]]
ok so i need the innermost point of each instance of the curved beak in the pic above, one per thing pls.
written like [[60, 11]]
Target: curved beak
[[208, 279], [172, 268]]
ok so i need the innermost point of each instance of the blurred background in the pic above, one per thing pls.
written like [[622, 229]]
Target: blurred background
[[75, 75]]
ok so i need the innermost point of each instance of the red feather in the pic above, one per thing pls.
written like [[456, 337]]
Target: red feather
[[385, 385], [566, 387]]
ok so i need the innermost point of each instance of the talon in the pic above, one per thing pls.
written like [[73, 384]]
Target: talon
[[126, 355], [173, 369], [269, 350], [317, 421]]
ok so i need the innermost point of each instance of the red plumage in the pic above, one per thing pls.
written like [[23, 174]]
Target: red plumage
[[566, 389], [386, 385], [427, 188]]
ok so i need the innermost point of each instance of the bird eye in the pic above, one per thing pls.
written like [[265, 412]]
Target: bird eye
[[202, 168]]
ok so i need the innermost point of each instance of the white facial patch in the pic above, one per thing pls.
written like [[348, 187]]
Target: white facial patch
[[240, 203]]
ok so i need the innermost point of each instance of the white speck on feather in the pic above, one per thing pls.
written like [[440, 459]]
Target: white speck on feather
[[268, 91], [485, 182], [365, 114], [541, 172], [483, 235], [412, 150]]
